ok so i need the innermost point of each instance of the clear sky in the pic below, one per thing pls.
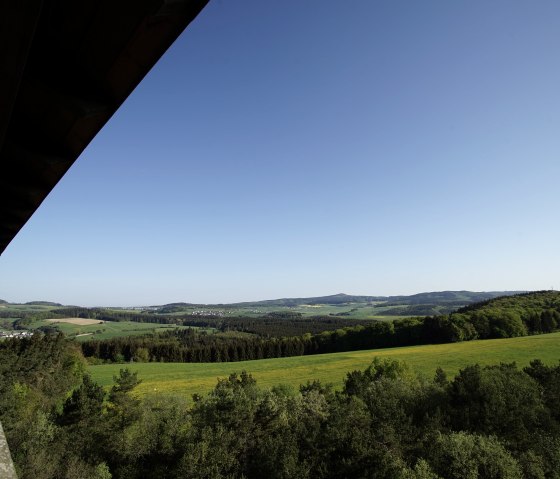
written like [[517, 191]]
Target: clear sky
[[311, 147]]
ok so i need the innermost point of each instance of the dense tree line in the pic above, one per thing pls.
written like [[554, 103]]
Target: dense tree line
[[193, 346], [506, 317], [419, 309], [278, 327], [491, 422]]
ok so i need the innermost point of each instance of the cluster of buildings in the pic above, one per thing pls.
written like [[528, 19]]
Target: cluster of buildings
[[16, 334], [208, 312]]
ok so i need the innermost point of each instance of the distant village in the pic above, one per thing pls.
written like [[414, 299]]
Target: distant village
[[208, 312], [16, 334]]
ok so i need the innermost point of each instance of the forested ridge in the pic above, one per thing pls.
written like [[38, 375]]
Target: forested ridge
[[511, 316], [456, 297], [489, 422]]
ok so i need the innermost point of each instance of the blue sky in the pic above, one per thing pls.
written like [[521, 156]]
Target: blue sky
[[299, 148]]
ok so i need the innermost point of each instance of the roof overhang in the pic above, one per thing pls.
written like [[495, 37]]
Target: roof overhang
[[66, 68]]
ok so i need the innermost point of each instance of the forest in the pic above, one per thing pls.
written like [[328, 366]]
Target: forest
[[503, 317], [493, 422]]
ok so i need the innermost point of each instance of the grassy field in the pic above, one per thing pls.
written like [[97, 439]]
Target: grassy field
[[106, 329], [180, 378], [75, 321]]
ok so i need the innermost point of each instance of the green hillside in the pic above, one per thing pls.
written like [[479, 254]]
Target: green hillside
[[444, 297], [524, 304], [190, 378]]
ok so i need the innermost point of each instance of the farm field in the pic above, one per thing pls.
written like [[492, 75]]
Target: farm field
[[191, 378], [83, 329], [76, 321]]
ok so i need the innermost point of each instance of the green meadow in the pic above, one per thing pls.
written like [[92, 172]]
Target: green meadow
[[191, 378], [107, 329]]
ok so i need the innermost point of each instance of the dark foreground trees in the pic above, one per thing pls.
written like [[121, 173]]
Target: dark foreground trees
[[488, 422]]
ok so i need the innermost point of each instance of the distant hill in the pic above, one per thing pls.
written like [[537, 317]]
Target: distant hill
[[340, 298], [450, 298], [446, 297], [416, 304], [3, 302], [42, 303], [173, 307], [177, 305]]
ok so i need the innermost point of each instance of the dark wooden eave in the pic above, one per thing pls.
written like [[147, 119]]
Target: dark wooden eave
[[66, 67]]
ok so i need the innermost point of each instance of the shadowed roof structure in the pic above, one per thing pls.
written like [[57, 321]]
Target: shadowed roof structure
[[66, 67]]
